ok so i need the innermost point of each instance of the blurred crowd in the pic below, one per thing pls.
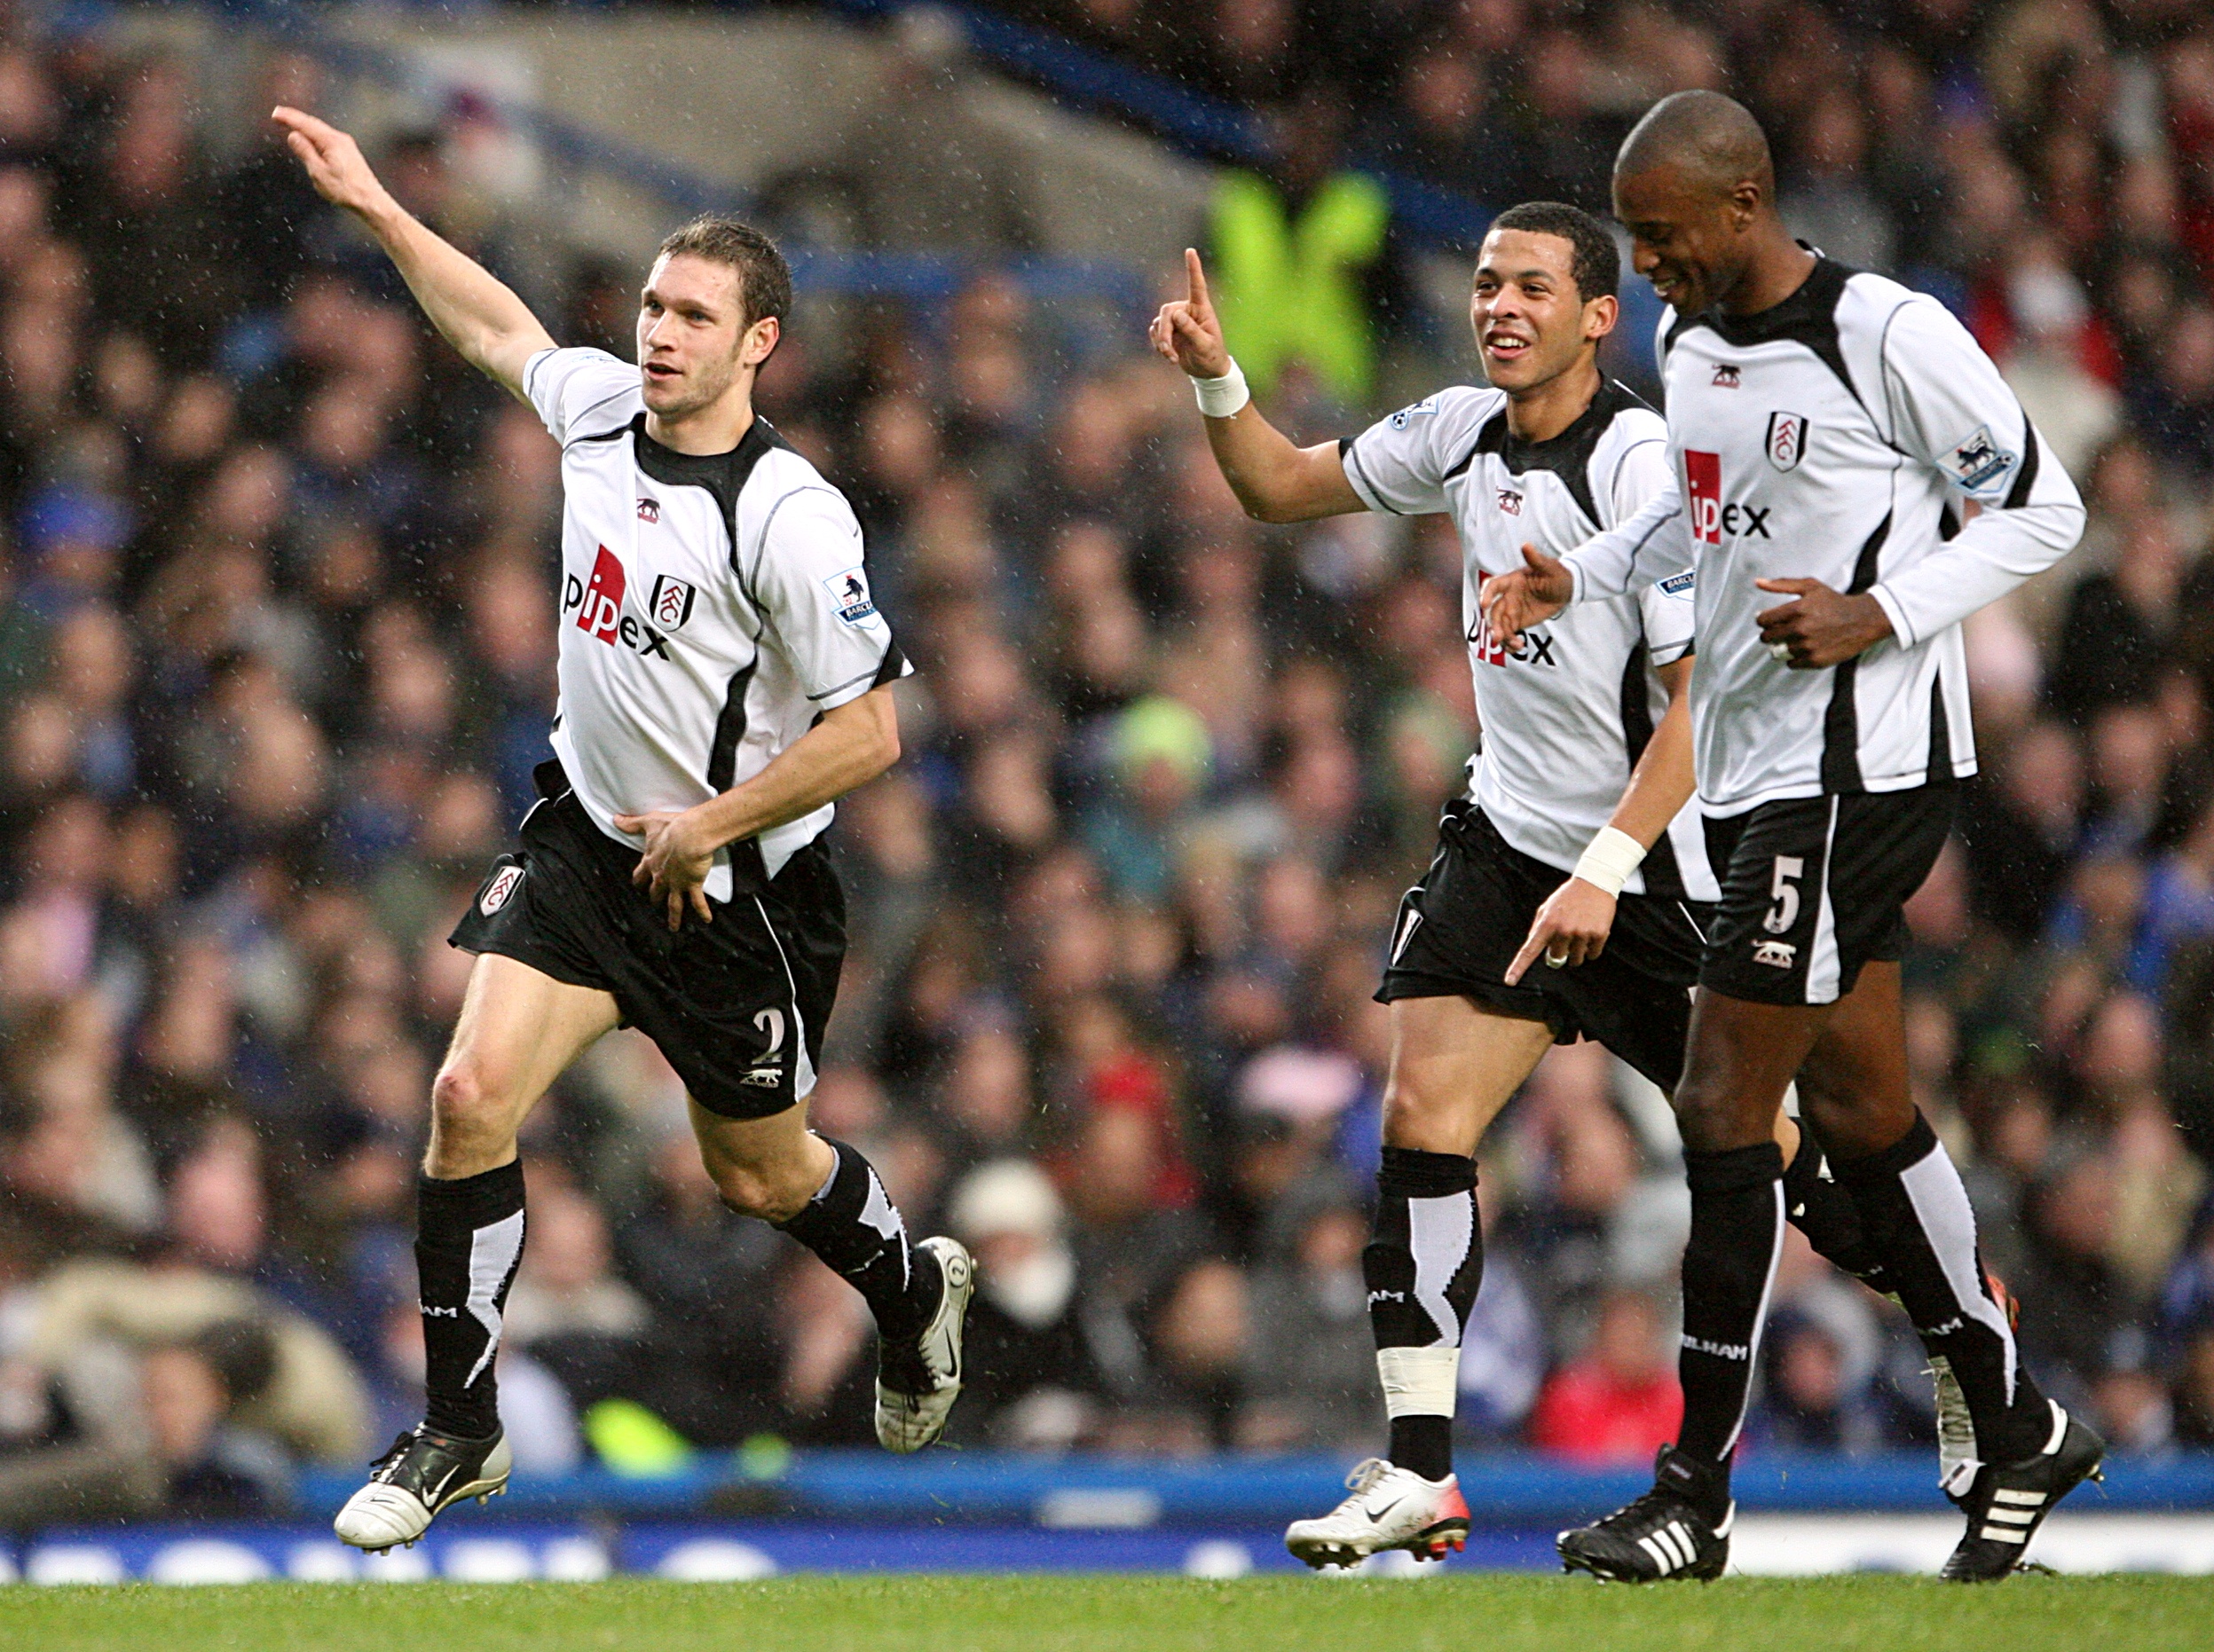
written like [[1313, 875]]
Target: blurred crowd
[[276, 658]]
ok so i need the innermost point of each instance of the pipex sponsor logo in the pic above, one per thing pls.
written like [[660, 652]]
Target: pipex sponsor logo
[[598, 605], [1712, 515]]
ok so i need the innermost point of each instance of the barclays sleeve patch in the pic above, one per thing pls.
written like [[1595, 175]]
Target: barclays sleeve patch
[[1980, 464], [1679, 586], [1421, 409], [849, 595]]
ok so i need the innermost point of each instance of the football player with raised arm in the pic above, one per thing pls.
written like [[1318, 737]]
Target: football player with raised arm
[[1850, 478], [1573, 845], [724, 679]]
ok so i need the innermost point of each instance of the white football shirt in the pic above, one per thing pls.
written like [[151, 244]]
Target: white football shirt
[[712, 606], [1564, 720], [1837, 436]]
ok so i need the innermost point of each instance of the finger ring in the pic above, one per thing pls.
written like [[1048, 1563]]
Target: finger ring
[[1555, 959], [1780, 652]]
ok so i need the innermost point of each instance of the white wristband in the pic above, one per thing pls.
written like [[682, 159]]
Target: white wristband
[[1609, 859], [1219, 398]]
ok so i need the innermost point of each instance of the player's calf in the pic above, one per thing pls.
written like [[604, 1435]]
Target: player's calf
[[919, 1294]]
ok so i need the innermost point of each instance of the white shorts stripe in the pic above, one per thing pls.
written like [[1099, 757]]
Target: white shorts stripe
[[1824, 970], [802, 1066]]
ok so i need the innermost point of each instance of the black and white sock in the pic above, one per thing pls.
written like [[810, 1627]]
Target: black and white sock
[[1728, 1266], [1824, 1212], [468, 1237], [1918, 1220], [1424, 1263], [852, 1224]]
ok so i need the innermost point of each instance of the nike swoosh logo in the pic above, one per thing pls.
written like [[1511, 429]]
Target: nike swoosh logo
[[1378, 1514]]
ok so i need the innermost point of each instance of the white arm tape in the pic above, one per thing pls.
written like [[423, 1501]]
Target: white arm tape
[[1609, 859], [1220, 398]]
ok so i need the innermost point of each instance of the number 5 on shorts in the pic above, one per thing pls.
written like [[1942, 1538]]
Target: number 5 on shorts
[[1786, 912]]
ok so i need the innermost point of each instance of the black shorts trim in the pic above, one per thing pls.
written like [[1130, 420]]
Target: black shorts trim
[[738, 1005], [1815, 888], [1460, 928]]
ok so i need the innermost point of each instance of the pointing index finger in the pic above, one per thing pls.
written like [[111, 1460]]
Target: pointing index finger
[[1195, 273], [1540, 932]]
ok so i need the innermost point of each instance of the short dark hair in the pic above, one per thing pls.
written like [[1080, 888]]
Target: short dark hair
[[1594, 263], [1714, 138], [764, 278]]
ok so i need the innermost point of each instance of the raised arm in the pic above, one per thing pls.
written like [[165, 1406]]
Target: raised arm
[[1275, 480], [478, 315]]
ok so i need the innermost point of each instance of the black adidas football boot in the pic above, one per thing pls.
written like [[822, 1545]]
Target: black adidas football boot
[[2005, 1503], [1665, 1534]]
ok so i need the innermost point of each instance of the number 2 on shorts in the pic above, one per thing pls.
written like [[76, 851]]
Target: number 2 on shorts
[[771, 1021]]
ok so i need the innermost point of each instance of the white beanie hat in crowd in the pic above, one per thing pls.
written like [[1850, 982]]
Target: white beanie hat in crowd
[[1005, 1196]]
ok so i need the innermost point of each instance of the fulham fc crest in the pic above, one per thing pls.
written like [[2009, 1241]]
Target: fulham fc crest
[[670, 603], [496, 893], [1787, 440]]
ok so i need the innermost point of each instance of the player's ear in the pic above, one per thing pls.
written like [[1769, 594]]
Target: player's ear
[[1601, 314], [759, 341], [1744, 202]]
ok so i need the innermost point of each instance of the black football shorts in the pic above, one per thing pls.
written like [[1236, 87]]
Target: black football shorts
[[738, 1005], [1460, 928], [1813, 888]]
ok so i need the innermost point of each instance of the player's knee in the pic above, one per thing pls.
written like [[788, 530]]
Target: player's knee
[[758, 1190], [1710, 1115], [1416, 1115], [468, 1115], [457, 1096]]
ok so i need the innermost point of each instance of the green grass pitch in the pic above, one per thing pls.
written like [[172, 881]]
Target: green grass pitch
[[1044, 1613]]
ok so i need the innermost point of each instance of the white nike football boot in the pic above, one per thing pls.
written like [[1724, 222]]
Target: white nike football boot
[[917, 1381], [422, 1474], [1391, 1507]]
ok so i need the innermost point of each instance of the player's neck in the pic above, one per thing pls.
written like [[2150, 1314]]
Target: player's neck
[[715, 428], [1778, 268], [1543, 411]]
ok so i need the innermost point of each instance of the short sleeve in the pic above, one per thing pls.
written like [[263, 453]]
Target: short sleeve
[[1641, 474], [1398, 464], [1668, 610], [578, 391], [812, 586]]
